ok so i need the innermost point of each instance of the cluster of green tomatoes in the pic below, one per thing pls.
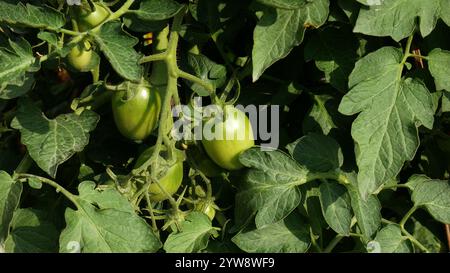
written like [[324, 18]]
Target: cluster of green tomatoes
[[136, 113]]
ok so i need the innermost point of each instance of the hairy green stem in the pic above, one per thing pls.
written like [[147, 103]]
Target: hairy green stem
[[52, 183], [414, 240], [209, 87], [407, 216], [150, 209], [333, 243], [333, 175]]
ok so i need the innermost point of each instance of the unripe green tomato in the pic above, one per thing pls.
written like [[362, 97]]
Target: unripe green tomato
[[87, 20], [80, 56], [225, 151], [207, 207], [136, 117], [171, 181]]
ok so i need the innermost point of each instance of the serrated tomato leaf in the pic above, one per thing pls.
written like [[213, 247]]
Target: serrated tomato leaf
[[278, 31], [104, 221], [10, 192], [336, 208], [17, 62], [290, 235], [398, 18], [390, 240], [31, 15], [51, 142], [318, 153], [117, 45], [390, 108], [194, 235], [32, 232], [155, 10], [433, 195], [269, 189], [439, 65]]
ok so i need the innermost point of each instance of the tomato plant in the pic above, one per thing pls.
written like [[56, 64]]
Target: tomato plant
[[207, 207], [136, 110], [234, 136], [275, 126], [170, 181], [88, 19], [80, 56]]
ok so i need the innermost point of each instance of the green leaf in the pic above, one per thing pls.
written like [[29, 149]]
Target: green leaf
[[136, 24], [391, 109], [35, 183], [31, 16], [321, 117], [313, 208], [446, 102], [194, 235], [334, 52], [269, 189], [205, 69], [16, 62], [427, 238], [439, 65], [290, 235], [284, 4], [105, 222], [390, 240], [155, 10], [318, 153], [117, 45], [398, 18], [336, 207], [218, 246], [51, 142], [10, 192], [48, 37], [433, 194], [367, 212], [280, 30], [32, 232]]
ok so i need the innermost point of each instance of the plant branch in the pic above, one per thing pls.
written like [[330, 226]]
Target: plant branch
[[195, 79], [150, 209], [333, 243], [153, 58], [414, 240], [333, 175], [407, 216], [52, 183]]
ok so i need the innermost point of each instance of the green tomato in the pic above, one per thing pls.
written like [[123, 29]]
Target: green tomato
[[136, 117], [80, 56], [207, 207], [236, 136], [87, 20], [171, 180]]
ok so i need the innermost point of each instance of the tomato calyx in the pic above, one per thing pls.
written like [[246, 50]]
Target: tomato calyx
[[136, 108], [89, 17], [174, 219], [82, 57]]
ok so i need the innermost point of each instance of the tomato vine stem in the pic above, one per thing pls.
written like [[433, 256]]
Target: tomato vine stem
[[59, 188]]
